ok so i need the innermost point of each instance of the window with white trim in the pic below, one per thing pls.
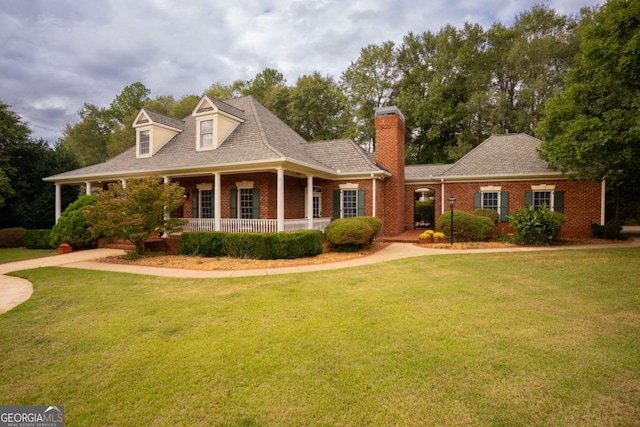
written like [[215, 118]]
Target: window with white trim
[[206, 203], [491, 200], [542, 198], [245, 203], [206, 133], [143, 142], [349, 203]]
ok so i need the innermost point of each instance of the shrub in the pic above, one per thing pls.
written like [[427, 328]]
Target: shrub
[[37, 239], [209, 244], [73, 227], [492, 214], [424, 211], [12, 237], [286, 245], [349, 234], [375, 223], [611, 230], [536, 227], [466, 227]]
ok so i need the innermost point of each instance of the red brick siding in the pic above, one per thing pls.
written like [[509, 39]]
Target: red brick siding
[[582, 201]]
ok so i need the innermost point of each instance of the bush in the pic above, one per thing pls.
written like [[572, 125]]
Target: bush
[[286, 245], [536, 227], [424, 211], [375, 223], [12, 237], [208, 244], [492, 214], [611, 230], [466, 227], [37, 239], [349, 234], [72, 227]]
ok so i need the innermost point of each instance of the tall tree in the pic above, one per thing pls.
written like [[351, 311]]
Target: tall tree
[[317, 108], [370, 83], [89, 137], [12, 131], [184, 106], [592, 128]]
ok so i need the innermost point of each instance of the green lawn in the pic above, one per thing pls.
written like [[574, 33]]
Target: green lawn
[[506, 339], [20, 254]]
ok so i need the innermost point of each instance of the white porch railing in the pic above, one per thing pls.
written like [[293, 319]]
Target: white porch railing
[[252, 225]]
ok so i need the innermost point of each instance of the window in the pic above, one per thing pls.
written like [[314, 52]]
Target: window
[[206, 134], [246, 203], [492, 197], [143, 147], [349, 203], [316, 202], [206, 204], [542, 198], [491, 200]]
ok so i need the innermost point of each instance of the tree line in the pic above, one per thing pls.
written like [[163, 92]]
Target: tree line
[[456, 87]]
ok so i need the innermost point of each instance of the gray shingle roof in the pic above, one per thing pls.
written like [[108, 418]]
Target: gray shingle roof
[[509, 154], [164, 120], [262, 136], [424, 171]]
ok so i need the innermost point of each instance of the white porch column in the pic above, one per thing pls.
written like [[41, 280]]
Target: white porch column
[[58, 209], [124, 183], [310, 202], [373, 208], [280, 197], [87, 188], [217, 202]]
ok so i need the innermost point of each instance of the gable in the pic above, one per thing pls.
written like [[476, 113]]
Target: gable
[[215, 121]]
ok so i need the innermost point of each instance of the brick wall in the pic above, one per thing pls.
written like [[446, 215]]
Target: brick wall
[[582, 201]]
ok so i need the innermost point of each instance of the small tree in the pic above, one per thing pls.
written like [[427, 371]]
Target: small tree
[[136, 212], [72, 227], [536, 227]]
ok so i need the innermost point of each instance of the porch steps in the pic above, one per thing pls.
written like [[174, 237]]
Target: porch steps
[[409, 236], [154, 244]]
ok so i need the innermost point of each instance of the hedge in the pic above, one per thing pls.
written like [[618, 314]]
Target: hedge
[[285, 245], [466, 227], [37, 239], [12, 237]]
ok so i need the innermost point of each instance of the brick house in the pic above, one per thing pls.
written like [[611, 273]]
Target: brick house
[[243, 169]]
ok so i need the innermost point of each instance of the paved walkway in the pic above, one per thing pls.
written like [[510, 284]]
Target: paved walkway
[[14, 290]]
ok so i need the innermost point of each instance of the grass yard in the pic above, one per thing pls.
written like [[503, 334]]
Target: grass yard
[[20, 254], [505, 339]]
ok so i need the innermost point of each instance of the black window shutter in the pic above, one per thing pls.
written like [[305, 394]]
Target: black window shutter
[[233, 202], [477, 200], [255, 204], [361, 204], [336, 204], [504, 206], [558, 201], [528, 198], [194, 203]]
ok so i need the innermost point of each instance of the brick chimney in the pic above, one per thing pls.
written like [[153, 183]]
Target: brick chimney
[[390, 153]]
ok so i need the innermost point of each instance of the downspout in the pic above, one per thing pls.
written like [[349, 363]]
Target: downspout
[[441, 196]]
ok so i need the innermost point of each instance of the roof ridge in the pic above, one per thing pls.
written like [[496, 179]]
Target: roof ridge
[[263, 134]]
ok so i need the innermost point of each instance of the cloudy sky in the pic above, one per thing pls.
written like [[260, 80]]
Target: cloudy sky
[[56, 55]]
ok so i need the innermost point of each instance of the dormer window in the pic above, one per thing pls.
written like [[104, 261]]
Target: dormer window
[[144, 142], [206, 134]]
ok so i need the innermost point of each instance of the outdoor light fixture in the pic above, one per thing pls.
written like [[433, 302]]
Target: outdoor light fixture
[[452, 204]]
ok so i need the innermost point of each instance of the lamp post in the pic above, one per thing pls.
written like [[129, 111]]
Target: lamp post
[[452, 203]]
